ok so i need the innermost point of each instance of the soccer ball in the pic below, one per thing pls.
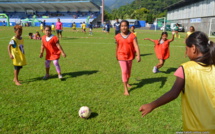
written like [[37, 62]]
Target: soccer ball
[[84, 112]]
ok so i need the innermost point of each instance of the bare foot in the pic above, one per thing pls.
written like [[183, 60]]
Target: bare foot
[[129, 86], [126, 94], [17, 83]]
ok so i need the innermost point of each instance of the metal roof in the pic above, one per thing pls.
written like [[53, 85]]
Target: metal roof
[[61, 6], [181, 3]]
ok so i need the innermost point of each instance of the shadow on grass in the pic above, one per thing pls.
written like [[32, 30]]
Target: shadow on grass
[[69, 38], [65, 76], [169, 70], [93, 115], [145, 54], [149, 81]]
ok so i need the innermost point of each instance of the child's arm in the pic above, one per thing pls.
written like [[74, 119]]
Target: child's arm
[[136, 47], [9, 51], [167, 97], [149, 39], [41, 49], [61, 49], [173, 35]]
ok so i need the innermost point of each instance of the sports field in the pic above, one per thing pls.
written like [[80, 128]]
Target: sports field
[[92, 78]]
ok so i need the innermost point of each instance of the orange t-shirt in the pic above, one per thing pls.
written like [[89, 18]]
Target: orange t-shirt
[[162, 50], [125, 47], [52, 51]]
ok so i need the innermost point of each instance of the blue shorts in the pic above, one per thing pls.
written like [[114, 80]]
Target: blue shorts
[[59, 31]]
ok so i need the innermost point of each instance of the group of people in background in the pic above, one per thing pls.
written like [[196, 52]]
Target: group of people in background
[[194, 79]]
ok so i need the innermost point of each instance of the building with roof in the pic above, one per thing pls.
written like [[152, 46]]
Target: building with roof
[[197, 13], [68, 11]]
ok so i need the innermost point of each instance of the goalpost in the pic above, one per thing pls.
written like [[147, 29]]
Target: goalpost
[[160, 22], [212, 28], [4, 15]]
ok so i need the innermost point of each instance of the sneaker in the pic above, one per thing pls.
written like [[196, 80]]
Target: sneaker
[[60, 76], [154, 70], [46, 77], [157, 71]]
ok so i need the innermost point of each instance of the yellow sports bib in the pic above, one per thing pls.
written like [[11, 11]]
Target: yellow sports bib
[[17, 50], [198, 98]]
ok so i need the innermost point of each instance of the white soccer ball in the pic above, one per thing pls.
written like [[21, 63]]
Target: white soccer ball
[[84, 112]]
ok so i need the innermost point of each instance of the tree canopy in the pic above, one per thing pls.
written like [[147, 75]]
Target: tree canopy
[[142, 10]]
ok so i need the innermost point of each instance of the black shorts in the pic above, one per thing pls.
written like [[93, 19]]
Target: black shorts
[[17, 67], [116, 32], [59, 31]]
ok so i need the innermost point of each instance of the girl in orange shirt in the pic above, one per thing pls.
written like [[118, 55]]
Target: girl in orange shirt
[[53, 51], [161, 49], [127, 49]]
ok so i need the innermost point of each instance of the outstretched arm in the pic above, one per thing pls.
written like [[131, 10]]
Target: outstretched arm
[[173, 35], [149, 39], [136, 47], [167, 97]]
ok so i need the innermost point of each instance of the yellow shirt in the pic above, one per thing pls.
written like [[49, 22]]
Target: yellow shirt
[[83, 26], [189, 33], [198, 98], [17, 50], [53, 27], [41, 26]]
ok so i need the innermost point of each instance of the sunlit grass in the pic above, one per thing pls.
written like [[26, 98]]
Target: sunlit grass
[[92, 77]]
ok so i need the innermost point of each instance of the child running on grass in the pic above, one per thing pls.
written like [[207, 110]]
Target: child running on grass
[[195, 82], [16, 52], [127, 49], [161, 49], [53, 51]]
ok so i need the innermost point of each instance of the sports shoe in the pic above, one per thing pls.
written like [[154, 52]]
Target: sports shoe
[[154, 70], [60, 76], [158, 71]]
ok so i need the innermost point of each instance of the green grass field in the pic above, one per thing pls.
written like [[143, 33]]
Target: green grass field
[[92, 78]]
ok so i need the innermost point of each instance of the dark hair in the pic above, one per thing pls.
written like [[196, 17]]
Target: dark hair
[[193, 28], [127, 23], [204, 45], [133, 26], [162, 35], [47, 26]]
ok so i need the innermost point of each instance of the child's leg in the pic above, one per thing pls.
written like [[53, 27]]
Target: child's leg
[[160, 64], [129, 65], [47, 65], [57, 66], [124, 69], [16, 74]]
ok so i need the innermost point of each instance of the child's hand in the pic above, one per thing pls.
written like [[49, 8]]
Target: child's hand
[[41, 55], [138, 58], [145, 109], [11, 56], [146, 38], [64, 55], [173, 33]]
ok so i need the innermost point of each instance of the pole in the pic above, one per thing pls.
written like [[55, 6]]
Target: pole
[[164, 29], [102, 19]]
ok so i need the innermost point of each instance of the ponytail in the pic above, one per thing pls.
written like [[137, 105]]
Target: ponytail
[[204, 45]]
